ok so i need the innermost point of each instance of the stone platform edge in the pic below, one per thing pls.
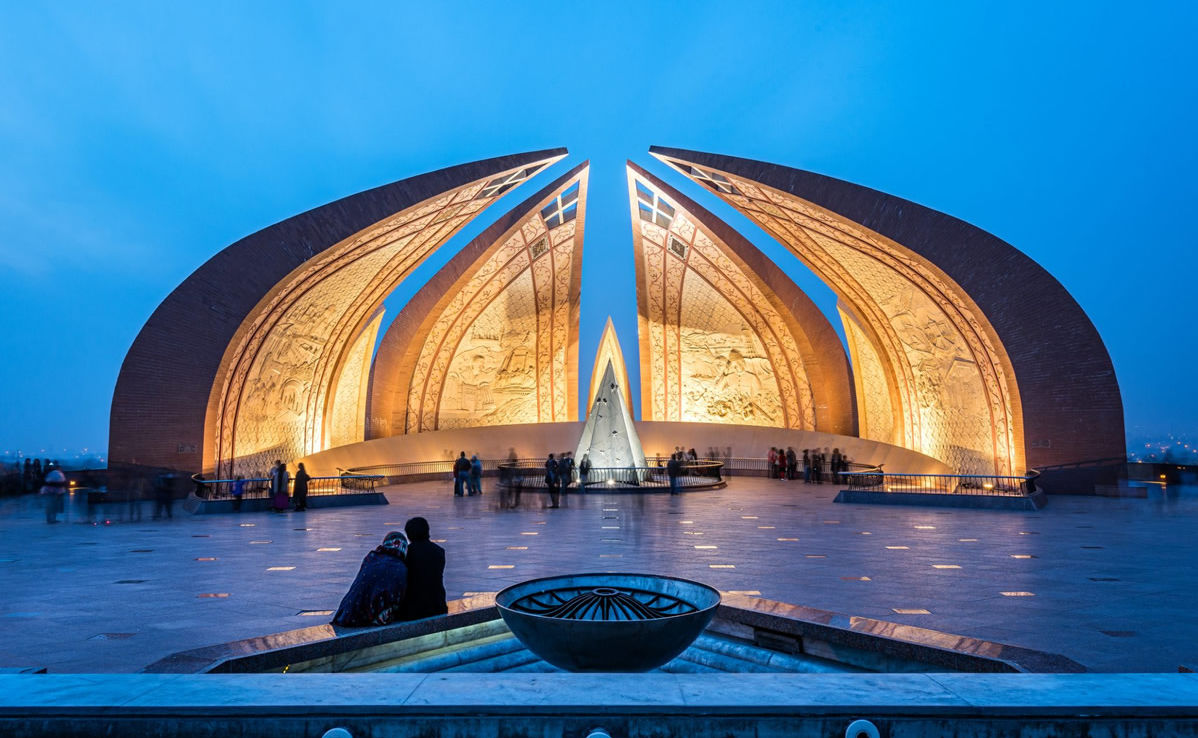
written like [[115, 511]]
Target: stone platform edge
[[208, 696], [1031, 503], [739, 615], [198, 506]]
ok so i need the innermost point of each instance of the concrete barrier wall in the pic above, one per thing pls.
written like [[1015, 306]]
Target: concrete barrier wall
[[538, 439]]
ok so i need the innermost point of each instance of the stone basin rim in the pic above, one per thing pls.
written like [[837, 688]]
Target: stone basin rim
[[500, 595]]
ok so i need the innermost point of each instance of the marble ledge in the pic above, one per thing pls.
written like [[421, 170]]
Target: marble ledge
[[276, 650], [948, 651], [1029, 695]]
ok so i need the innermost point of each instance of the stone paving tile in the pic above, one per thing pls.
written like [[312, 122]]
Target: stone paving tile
[[61, 582]]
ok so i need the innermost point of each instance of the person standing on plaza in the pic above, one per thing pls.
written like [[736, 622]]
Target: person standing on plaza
[[806, 466], [517, 481], [566, 470], [552, 480], [52, 490], [781, 464], [461, 474], [792, 463], [164, 495], [771, 461], [301, 488], [584, 471], [476, 475], [673, 471], [238, 492], [135, 493], [425, 596], [279, 481]]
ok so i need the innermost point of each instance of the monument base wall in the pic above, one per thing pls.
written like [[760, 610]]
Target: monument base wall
[[536, 440], [754, 441]]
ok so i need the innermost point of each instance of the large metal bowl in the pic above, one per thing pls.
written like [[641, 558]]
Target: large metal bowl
[[607, 622]]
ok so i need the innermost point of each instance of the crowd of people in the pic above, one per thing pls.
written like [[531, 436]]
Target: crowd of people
[[34, 473], [561, 473], [286, 491], [813, 467]]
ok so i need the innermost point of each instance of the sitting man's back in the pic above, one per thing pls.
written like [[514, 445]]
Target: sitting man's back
[[426, 568]]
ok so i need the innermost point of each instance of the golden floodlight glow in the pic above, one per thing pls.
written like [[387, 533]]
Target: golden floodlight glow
[[717, 343], [499, 345], [923, 351], [279, 380]]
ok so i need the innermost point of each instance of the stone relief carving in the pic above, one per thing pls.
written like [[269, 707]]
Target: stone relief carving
[[497, 353], [491, 379], [875, 411], [717, 348], [348, 416], [278, 374], [949, 375]]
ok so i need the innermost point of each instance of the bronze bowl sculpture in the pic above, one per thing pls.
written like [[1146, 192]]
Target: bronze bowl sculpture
[[607, 622]]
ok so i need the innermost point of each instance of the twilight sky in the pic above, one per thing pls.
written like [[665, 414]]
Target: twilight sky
[[138, 139]]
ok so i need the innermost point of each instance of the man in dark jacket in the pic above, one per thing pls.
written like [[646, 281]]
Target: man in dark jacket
[[674, 470], [552, 480], [461, 475], [426, 568]]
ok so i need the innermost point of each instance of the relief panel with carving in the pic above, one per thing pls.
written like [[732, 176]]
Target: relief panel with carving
[[951, 379], [715, 348], [278, 373], [497, 353]]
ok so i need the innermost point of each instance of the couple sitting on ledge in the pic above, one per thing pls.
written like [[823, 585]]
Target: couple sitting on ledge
[[401, 579]]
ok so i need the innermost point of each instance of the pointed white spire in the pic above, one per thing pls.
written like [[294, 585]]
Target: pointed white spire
[[609, 438], [609, 351]]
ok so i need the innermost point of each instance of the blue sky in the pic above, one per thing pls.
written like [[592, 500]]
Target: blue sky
[[137, 139]]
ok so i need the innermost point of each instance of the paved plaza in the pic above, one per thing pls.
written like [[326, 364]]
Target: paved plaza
[[1107, 582]]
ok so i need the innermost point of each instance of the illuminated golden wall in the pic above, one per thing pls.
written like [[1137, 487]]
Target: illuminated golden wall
[[274, 393], [496, 341], [715, 346], [877, 417], [930, 372], [347, 423]]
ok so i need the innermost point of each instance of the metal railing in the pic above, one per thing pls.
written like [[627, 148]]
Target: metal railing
[[443, 469], [259, 487], [760, 466], [877, 480], [530, 474]]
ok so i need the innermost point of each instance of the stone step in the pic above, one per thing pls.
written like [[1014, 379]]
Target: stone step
[[773, 660], [502, 662], [379, 657], [444, 658], [682, 665]]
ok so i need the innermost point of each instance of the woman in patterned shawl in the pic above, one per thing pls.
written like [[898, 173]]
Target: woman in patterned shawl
[[374, 597]]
